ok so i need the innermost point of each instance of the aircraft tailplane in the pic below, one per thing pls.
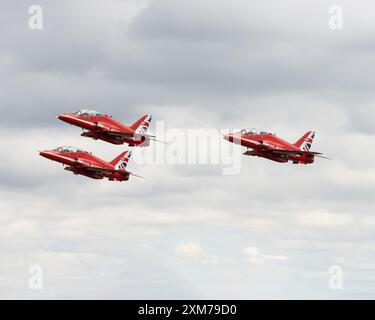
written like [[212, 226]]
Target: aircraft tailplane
[[121, 161], [142, 124], [305, 142]]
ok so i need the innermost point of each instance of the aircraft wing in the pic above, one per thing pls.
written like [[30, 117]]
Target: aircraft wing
[[129, 135], [79, 164], [104, 170], [119, 133], [100, 170], [295, 152], [134, 136], [110, 131], [87, 166]]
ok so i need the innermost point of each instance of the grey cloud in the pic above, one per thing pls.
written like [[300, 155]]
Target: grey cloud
[[226, 64]]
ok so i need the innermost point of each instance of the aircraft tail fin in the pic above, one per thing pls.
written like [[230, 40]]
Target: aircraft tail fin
[[121, 161], [305, 142], [142, 124]]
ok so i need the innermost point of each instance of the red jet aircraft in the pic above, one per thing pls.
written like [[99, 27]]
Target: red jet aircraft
[[267, 145], [84, 163], [103, 127]]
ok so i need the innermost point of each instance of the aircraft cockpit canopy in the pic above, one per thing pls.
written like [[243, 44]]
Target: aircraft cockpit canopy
[[253, 131], [87, 113], [68, 149]]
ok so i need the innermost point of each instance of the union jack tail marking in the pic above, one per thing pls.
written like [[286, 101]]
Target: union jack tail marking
[[122, 160], [142, 124], [305, 142]]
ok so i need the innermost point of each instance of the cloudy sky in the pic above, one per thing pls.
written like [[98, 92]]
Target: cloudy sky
[[188, 231]]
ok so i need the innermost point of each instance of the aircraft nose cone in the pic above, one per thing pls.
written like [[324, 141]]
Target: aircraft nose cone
[[228, 137], [45, 154], [65, 117], [42, 153]]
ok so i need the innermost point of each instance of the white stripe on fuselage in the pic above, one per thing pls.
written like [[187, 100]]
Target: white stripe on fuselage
[[254, 142], [60, 156], [91, 123], [258, 143]]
